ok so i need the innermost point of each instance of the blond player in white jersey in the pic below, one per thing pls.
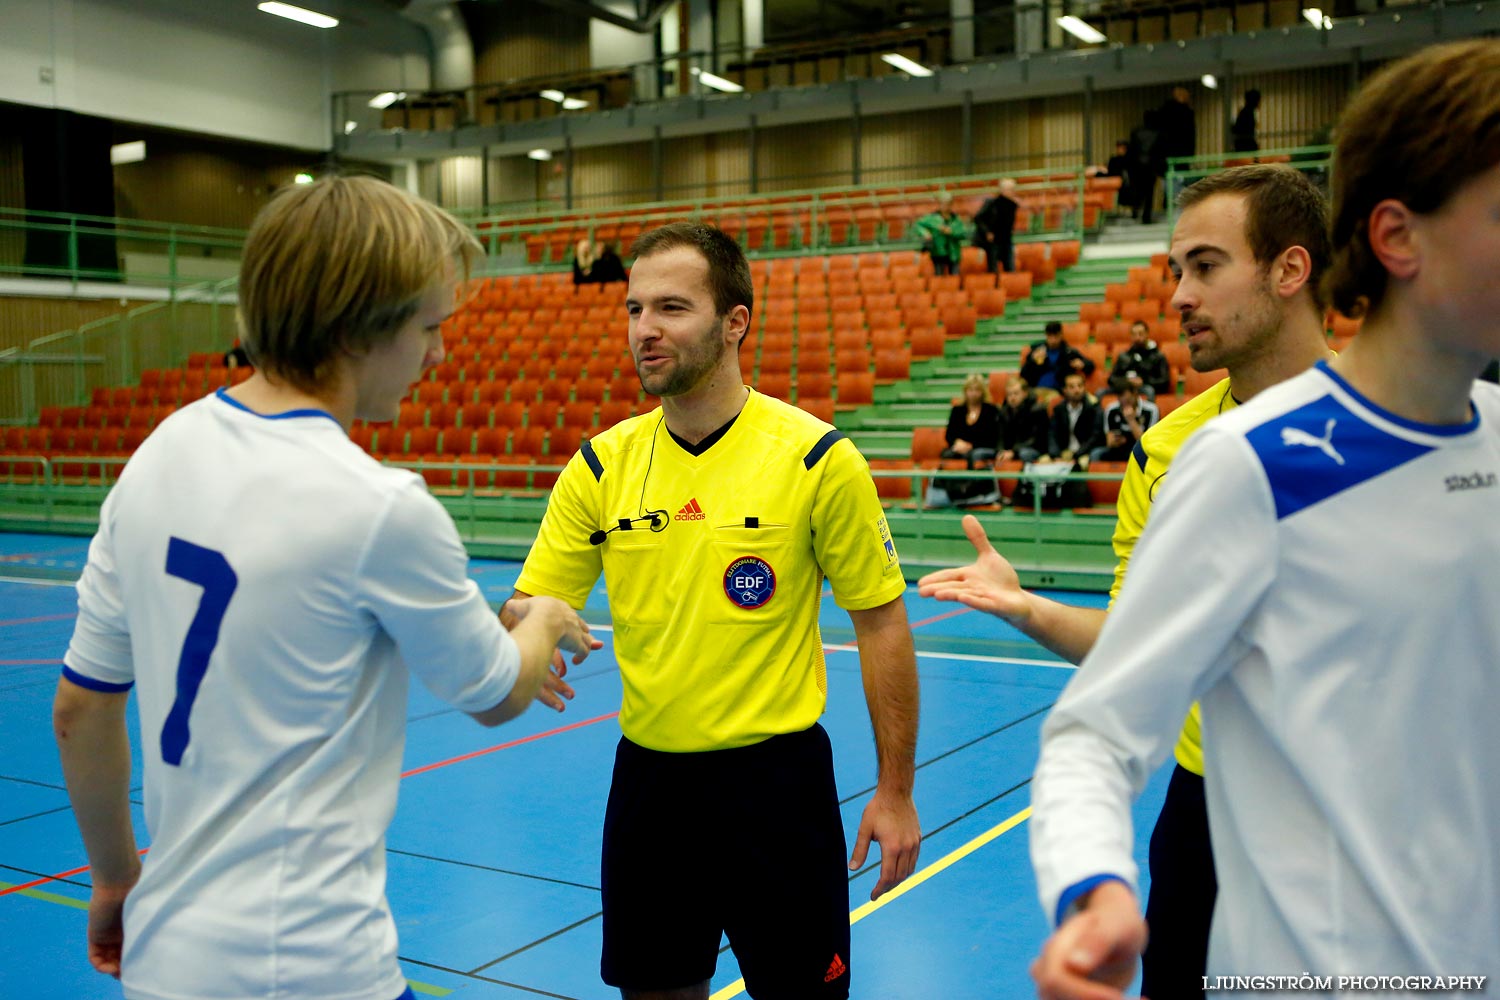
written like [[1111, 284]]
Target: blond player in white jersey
[[266, 587]]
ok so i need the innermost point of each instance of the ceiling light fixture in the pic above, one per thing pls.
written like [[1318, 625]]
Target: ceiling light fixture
[[717, 82], [385, 100], [1080, 29], [540, 154], [128, 152], [905, 65], [311, 17]]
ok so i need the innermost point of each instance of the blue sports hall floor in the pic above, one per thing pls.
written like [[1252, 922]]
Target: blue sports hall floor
[[493, 855]]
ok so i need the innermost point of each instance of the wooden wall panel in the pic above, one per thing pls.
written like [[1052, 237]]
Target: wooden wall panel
[[1061, 141], [1002, 137], [519, 39], [201, 181], [794, 157], [727, 156], [513, 181], [23, 320], [911, 145], [12, 195], [612, 175], [1297, 107], [685, 167], [462, 181]]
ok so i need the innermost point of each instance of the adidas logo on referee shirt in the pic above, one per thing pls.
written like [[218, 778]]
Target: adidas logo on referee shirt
[[691, 511]]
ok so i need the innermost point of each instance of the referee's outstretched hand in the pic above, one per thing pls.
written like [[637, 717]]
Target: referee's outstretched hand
[[890, 819], [989, 583]]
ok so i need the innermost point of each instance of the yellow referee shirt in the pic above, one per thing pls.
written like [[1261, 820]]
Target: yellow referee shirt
[[1148, 464], [716, 612]]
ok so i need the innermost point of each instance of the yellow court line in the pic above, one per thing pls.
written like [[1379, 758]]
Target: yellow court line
[[737, 987]]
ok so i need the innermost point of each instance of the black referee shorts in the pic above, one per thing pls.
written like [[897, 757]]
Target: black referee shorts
[[1180, 906], [747, 842]]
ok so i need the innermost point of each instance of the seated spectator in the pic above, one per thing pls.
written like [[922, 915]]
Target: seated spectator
[[1143, 364], [943, 235], [236, 357], [1125, 420], [973, 434], [1050, 360], [1077, 426], [1023, 424], [596, 263]]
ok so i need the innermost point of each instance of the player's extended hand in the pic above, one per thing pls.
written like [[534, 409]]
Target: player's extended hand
[[106, 928], [989, 583], [1092, 956], [890, 819]]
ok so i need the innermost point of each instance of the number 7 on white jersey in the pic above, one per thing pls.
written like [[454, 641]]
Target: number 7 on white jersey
[[210, 570]]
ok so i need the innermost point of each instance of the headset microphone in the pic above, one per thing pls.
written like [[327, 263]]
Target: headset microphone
[[597, 538]]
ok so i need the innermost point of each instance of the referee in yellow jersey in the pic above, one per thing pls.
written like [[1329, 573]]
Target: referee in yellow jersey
[[1249, 248], [715, 521]]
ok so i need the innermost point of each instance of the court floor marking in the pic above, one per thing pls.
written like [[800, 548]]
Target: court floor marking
[[38, 618], [737, 987], [506, 746], [974, 657], [416, 770]]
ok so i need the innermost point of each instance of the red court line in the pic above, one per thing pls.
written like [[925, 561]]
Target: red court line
[[27, 663], [39, 618], [416, 770], [505, 746], [938, 618], [53, 878]]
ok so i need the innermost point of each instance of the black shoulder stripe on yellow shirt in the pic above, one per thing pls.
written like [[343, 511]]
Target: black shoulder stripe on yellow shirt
[[595, 466], [1139, 454], [821, 448]]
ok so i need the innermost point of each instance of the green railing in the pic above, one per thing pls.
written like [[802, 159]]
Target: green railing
[[803, 221], [64, 368], [62, 494], [1315, 161], [130, 251]]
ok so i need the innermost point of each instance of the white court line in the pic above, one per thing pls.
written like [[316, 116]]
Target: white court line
[[844, 648], [38, 582]]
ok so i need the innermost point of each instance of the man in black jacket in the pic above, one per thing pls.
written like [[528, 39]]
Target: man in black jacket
[[1049, 361], [994, 224], [1077, 424], [1143, 364]]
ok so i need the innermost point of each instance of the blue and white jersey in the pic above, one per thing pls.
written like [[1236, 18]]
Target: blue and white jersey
[[1324, 576], [265, 585]]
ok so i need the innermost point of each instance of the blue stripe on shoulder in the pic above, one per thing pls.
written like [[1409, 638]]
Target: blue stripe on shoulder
[[88, 682], [1322, 449], [595, 466], [1139, 454], [821, 448]]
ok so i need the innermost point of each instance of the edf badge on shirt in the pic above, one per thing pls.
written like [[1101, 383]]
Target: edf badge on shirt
[[883, 532], [749, 582]]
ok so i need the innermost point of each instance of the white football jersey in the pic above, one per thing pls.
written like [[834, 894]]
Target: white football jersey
[[1324, 576], [265, 585]]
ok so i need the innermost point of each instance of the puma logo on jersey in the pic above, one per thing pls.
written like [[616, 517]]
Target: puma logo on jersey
[[1297, 436], [691, 511]]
